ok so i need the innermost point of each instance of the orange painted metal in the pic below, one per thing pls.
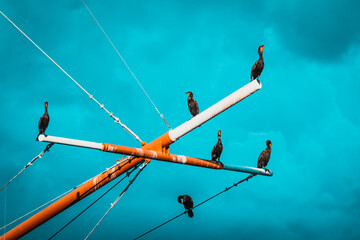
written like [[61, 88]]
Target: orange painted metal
[[160, 144], [68, 200], [163, 156]]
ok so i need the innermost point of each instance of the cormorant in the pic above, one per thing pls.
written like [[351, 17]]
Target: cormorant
[[265, 156], [193, 105], [217, 149], [188, 203], [258, 65], [43, 122]]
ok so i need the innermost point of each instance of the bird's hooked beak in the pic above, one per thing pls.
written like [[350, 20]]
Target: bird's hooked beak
[[262, 47], [188, 93], [46, 104], [219, 133]]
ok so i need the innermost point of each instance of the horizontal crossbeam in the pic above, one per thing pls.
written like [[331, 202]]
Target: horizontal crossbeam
[[151, 154]]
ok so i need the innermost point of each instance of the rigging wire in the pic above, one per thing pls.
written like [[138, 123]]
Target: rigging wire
[[47, 203], [127, 66], [5, 211], [37, 208], [30, 163], [116, 119], [118, 198], [225, 190], [68, 223], [128, 159], [43, 205], [161, 225]]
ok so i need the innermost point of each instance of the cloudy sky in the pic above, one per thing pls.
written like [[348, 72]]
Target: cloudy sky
[[308, 107]]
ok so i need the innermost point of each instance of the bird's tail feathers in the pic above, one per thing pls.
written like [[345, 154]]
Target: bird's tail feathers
[[190, 213]]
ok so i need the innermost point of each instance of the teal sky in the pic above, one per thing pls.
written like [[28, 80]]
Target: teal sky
[[308, 107]]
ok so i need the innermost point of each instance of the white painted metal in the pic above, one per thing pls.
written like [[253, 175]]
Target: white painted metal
[[214, 110], [71, 142]]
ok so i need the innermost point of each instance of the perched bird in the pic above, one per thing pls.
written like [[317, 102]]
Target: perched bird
[[188, 203], [258, 65], [217, 149], [193, 105], [43, 122], [265, 156]]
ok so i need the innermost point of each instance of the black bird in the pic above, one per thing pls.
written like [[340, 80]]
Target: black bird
[[188, 203], [193, 105], [258, 65], [265, 156], [217, 149], [43, 122]]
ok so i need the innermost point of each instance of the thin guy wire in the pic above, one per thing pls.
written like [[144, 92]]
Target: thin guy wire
[[127, 66], [5, 213], [47, 203], [68, 223], [225, 190], [116, 119], [35, 210], [29, 164], [117, 199], [160, 225]]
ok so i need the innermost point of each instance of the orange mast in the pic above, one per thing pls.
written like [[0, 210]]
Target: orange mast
[[157, 149]]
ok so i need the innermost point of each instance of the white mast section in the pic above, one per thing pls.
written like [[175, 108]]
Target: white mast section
[[70, 142], [214, 110]]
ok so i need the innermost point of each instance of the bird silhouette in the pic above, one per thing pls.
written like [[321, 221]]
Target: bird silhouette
[[265, 156], [258, 65], [188, 203], [193, 105], [217, 149], [43, 122]]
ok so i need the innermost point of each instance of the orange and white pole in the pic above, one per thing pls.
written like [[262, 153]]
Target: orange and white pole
[[153, 154], [160, 144], [69, 199]]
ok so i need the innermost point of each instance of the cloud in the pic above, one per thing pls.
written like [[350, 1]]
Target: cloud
[[317, 30], [320, 30]]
